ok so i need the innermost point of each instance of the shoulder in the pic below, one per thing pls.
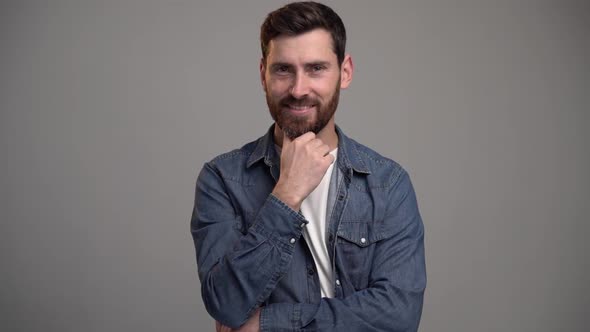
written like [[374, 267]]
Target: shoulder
[[240, 165], [383, 172], [243, 152], [234, 159]]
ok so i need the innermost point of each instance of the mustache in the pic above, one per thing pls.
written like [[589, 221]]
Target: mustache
[[305, 101]]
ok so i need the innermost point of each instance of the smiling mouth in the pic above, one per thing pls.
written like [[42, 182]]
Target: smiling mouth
[[299, 108]]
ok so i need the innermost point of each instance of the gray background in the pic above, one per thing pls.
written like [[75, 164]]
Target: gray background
[[110, 108]]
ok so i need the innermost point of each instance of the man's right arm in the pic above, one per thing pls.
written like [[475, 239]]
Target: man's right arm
[[238, 272]]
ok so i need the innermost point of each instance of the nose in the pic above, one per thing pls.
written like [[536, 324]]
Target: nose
[[300, 87]]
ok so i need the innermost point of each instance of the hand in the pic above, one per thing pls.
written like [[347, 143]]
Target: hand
[[251, 325], [221, 328], [304, 161]]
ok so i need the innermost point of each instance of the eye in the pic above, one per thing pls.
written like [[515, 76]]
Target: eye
[[281, 69], [318, 68]]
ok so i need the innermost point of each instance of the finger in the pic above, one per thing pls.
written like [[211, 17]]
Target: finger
[[220, 327], [286, 140], [324, 149], [330, 157], [315, 143], [308, 136]]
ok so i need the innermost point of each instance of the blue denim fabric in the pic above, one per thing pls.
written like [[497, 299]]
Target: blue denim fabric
[[250, 252]]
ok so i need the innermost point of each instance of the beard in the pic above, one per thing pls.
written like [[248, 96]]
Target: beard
[[293, 125]]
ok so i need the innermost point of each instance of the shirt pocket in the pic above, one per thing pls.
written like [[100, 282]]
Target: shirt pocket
[[355, 247]]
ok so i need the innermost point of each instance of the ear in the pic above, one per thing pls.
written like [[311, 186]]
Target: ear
[[346, 71], [263, 73]]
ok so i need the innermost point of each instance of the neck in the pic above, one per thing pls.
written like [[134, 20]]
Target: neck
[[327, 135]]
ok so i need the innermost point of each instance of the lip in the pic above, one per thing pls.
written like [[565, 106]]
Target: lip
[[299, 110]]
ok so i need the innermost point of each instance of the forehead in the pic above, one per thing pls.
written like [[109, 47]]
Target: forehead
[[313, 45]]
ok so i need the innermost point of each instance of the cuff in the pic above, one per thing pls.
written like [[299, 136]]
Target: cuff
[[277, 221], [286, 316]]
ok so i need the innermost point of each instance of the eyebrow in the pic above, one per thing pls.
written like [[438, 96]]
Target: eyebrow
[[324, 65], [280, 64], [318, 63], [307, 64]]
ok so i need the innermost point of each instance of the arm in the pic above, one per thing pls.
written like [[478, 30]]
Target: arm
[[393, 300], [238, 272]]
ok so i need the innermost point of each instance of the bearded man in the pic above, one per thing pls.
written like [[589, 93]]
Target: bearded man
[[305, 229]]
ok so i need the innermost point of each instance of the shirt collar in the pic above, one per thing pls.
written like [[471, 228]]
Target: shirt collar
[[348, 155]]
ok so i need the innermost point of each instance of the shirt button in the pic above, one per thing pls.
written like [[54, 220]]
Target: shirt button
[[338, 282], [310, 272], [292, 240], [363, 240]]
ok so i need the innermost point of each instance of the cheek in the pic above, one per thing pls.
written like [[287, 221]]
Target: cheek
[[326, 87], [278, 88], [325, 93]]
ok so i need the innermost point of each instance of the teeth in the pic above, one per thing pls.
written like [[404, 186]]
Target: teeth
[[300, 107]]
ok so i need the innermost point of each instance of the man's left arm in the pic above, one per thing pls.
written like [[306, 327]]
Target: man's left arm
[[397, 280]]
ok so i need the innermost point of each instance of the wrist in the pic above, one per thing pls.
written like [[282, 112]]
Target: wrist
[[286, 197]]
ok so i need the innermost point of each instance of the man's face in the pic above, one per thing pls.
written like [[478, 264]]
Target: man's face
[[302, 80]]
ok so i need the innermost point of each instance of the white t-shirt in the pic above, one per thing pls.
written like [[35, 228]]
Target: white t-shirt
[[314, 209]]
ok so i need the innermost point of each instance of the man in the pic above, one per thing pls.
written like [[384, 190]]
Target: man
[[305, 229]]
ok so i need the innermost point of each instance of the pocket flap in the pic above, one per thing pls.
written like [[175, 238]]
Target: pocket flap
[[360, 233]]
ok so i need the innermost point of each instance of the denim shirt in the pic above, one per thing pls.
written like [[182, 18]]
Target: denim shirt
[[251, 252]]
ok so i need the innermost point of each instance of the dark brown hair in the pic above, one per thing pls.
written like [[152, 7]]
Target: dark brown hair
[[299, 17]]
